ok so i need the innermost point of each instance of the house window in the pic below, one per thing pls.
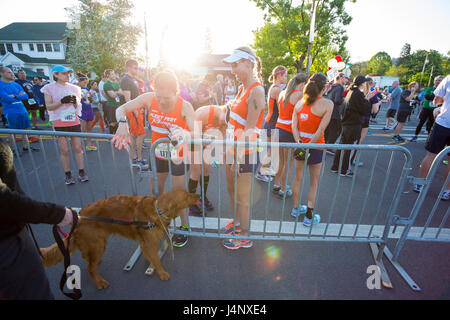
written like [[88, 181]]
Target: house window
[[48, 47], [2, 49], [9, 47], [31, 46], [19, 46], [40, 47], [56, 47]]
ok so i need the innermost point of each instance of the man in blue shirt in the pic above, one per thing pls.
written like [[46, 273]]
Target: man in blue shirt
[[39, 96], [394, 103], [11, 97], [30, 104]]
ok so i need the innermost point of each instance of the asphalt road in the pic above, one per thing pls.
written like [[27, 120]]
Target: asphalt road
[[271, 269]]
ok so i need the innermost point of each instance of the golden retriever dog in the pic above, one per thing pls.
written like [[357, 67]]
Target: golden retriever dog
[[90, 236]]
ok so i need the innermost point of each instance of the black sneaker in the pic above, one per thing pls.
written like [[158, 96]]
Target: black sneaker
[[83, 178], [180, 240], [69, 181], [208, 205], [348, 174]]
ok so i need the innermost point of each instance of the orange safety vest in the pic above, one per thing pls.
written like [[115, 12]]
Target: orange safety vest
[[285, 114], [160, 122], [238, 116], [308, 123]]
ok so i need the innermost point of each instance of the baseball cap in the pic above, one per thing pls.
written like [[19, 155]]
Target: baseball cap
[[60, 69], [359, 80], [238, 55]]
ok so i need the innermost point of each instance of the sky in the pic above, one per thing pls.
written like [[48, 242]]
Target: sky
[[381, 25]]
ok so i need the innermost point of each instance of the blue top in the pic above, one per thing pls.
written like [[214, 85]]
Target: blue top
[[395, 98], [85, 100], [38, 95], [10, 104]]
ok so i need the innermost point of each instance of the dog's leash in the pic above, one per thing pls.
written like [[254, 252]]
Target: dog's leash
[[76, 294]]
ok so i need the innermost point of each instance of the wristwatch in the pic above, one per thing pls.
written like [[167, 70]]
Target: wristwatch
[[123, 120]]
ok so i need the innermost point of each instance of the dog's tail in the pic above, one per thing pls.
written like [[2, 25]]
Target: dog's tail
[[52, 255]]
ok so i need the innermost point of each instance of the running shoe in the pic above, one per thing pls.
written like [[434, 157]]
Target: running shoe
[[208, 205], [33, 148], [385, 129], [413, 139], [263, 178], [275, 189], [180, 240], [297, 212], [69, 181], [360, 164], [33, 139], [347, 174], [288, 192], [307, 222], [143, 165], [446, 195], [331, 153], [418, 188], [230, 228], [83, 178], [445, 162], [91, 148], [195, 210], [234, 244], [334, 170], [134, 163]]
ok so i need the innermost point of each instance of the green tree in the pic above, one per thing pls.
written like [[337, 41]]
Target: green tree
[[405, 54], [398, 71], [379, 63], [104, 37], [285, 35]]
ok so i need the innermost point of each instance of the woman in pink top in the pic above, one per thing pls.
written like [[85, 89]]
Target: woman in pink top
[[62, 100]]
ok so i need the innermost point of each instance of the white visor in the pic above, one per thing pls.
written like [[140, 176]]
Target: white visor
[[238, 55]]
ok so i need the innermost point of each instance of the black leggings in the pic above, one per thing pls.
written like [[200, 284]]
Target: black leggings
[[350, 135], [425, 116]]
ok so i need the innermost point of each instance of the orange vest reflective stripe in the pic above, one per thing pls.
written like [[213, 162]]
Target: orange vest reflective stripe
[[285, 114], [161, 121], [137, 126], [308, 123], [239, 112]]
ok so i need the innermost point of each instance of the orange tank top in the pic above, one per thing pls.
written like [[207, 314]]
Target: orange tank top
[[161, 122], [210, 124], [271, 105], [137, 126], [308, 123], [238, 115], [285, 114]]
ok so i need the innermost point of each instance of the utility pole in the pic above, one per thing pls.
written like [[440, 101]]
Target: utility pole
[[423, 69], [311, 36], [431, 75]]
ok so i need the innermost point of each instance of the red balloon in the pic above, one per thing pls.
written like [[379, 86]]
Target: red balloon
[[338, 58], [329, 68]]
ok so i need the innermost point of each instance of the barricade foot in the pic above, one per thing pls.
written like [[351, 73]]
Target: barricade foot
[[401, 271], [133, 259], [383, 273], [162, 248]]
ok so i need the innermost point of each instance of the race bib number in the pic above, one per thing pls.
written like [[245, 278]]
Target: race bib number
[[163, 149], [31, 101], [68, 116]]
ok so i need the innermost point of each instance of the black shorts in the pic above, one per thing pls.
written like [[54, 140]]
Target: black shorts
[[365, 123], [391, 113], [438, 139], [402, 116], [315, 156], [32, 107], [269, 126], [249, 164], [178, 169], [285, 136], [76, 128]]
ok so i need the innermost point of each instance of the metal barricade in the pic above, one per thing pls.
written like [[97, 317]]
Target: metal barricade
[[362, 208], [352, 209]]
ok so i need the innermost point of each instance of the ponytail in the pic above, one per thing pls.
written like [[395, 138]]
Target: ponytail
[[292, 84], [313, 88], [258, 69]]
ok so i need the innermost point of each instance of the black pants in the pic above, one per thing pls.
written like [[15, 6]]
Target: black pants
[[350, 135], [426, 115], [333, 131], [22, 275], [42, 110]]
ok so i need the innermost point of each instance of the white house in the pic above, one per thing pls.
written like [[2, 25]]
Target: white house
[[33, 46]]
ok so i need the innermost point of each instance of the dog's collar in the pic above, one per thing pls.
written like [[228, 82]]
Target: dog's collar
[[159, 211]]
